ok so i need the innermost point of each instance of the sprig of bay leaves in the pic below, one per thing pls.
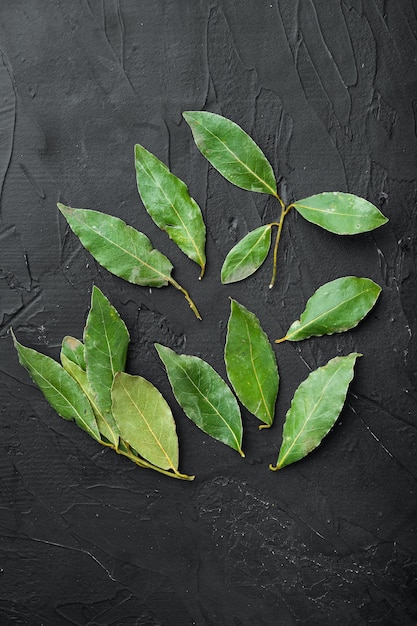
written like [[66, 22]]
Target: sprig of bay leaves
[[234, 154], [123, 412]]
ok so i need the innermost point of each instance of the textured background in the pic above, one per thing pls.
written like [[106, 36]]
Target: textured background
[[328, 90]]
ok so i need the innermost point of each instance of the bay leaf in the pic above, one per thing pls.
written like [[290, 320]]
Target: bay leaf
[[335, 307], [204, 396], [231, 151], [315, 407], [250, 363], [61, 391], [145, 420], [105, 420], [247, 255], [340, 213], [168, 202], [119, 248], [73, 349], [106, 340]]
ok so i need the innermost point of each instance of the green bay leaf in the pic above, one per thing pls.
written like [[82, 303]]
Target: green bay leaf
[[145, 420], [335, 307], [247, 255], [315, 407], [61, 391], [340, 213], [73, 349], [168, 202], [105, 421], [231, 151], [250, 363], [106, 340], [119, 248], [204, 396]]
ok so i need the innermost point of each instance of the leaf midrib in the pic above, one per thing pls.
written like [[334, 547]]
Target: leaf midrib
[[255, 372]]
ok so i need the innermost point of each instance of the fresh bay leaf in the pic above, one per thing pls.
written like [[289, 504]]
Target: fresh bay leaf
[[204, 396], [231, 151], [119, 248], [105, 421], [145, 420], [247, 256], [250, 363], [340, 213], [73, 349], [315, 407], [59, 388], [335, 307], [168, 202], [106, 340], [122, 250]]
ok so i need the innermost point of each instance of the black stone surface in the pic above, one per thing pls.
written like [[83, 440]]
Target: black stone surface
[[328, 90]]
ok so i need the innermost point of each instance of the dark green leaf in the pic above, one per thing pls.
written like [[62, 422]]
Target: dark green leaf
[[73, 349], [105, 421], [145, 420], [119, 248], [247, 255], [59, 388], [168, 202], [315, 408], [335, 307], [106, 340], [251, 364], [204, 396], [231, 151], [340, 213]]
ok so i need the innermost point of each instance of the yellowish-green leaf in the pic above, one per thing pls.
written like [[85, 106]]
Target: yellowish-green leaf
[[231, 151], [59, 388], [247, 256], [340, 213], [168, 202], [204, 396], [335, 307], [73, 349], [145, 420], [315, 407], [250, 363], [105, 421]]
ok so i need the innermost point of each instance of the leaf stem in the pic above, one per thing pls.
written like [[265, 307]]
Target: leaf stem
[[284, 211], [274, 468], [142, 463], [187, 297]]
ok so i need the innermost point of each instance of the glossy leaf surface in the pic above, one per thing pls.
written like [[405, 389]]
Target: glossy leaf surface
[[119, 248], [168, 202], [204, 396], [247, 256], [145, 420], [59, 388], [231, 151], [73, 349], [340, 213], [106, 340], [335, 307], [315, 407], [250, 363], [105, 421]]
